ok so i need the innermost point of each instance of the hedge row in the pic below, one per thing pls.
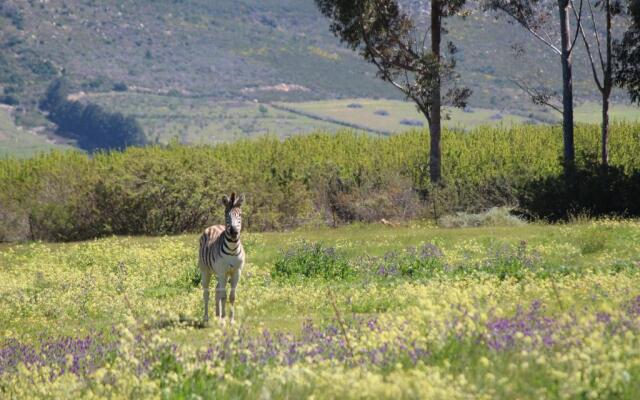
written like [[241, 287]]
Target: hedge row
[[314, 179]]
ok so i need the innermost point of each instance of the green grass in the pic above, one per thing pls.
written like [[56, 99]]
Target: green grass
[[365, 115], [591, 113], [203, 121], [136, 294], [397, 111], [580, 246], [19, 142]]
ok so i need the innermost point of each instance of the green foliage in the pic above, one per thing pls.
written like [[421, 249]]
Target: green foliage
[[120, 87], [591, 189], [495, 216], [92, 126], [312, 260], [592, 241], [304, 180], [627, 55], [423, 262], [9, 100]]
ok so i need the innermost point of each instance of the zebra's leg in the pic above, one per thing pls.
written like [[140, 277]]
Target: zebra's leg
[[221, 296], [235, 278], [205, 279]]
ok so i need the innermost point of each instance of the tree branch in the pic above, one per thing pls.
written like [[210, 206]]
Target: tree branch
[[578, 24], [586, 44], [531, 30], [537, 97], [593, 20]]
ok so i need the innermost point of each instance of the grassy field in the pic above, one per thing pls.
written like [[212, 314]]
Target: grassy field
[[533, 311], [592, 113], [200, 120], [206, 121], [19, 142], [388, 115]]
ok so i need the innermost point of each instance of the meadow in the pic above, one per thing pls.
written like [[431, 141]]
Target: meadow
[[525, 311], [17, 141], [201, 120]]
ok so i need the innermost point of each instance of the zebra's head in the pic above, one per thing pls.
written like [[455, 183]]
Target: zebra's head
[[232, 214]]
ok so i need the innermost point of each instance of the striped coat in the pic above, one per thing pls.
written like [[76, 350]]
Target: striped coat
[[221, 254]]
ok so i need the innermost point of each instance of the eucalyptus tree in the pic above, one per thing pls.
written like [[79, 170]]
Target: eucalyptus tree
[[627, 61], [387, 36], [537, 17], [602, 55]]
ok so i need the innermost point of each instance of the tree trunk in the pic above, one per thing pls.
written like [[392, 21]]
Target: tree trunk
[[567, 87], [606, 92], [435, 162], [605, 128]]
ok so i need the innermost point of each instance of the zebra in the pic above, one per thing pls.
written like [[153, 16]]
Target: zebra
[[222, 253]]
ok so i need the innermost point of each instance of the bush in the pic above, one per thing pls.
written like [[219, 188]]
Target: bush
[[495, 216], [59, 205], [593, 190], [411, 122], [312, 260], [371, 198], [9, 100], [423, 262], [120, 87], [157, 191], [509, 262], [313, 179]]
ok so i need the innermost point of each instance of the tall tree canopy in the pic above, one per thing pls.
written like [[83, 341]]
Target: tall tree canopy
[[393, 41], [628, 55]]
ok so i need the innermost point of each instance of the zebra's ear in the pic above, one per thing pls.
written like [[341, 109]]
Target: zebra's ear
[[239, 200], [225, 201]]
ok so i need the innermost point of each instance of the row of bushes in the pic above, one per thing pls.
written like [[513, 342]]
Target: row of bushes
[[314, 179]]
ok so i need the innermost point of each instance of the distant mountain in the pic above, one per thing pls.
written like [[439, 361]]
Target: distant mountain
[[236, 49]]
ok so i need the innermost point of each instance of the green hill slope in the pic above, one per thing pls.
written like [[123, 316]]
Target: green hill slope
[[242, 51], [235, 49]]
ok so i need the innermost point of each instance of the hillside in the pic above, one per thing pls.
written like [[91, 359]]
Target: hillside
[[242, 51], [230, 49]]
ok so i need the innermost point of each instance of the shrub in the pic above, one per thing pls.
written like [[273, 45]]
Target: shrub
[[120, 87], [156, 191], [312, 260], [314, 179], [495, 216], [411, 122], [371, 198], [9, 100], [507, 262], [593, 189], [382, 113], [422, 262], [592, 241]]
